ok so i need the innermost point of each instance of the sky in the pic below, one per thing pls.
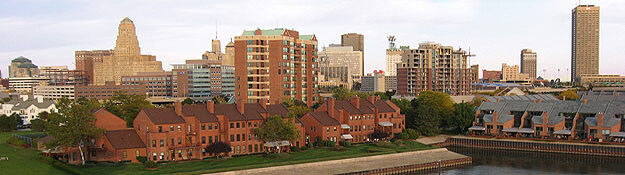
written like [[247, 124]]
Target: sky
[[49, 31]]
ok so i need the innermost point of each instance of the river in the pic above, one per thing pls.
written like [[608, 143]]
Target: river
[[490, 161]]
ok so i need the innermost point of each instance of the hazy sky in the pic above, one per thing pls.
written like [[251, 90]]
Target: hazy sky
[[49, 31]]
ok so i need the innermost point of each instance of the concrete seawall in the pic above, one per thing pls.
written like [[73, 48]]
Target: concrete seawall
[[381, 164], [538, 146]]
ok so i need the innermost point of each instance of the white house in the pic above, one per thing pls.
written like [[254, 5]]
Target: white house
[[28, 107]]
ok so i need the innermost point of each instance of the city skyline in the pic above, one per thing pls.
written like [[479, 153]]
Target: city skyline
[[183, 31]]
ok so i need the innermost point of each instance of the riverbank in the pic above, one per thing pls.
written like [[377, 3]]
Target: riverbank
[[399, 162], [535, 145]]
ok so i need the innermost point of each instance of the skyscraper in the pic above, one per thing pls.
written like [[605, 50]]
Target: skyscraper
[[528, 63], [585, 41], [126, 59], [276, 63], [339, 56], [357, 41]]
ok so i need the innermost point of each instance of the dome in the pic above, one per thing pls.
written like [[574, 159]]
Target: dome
[[230, 44], [21, 59], [27, 65], [127, 21]]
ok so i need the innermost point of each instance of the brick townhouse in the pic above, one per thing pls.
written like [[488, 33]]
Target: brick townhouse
[[353, 120], [117, 144], [182, 132]]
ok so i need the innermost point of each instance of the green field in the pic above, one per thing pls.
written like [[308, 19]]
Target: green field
[[24, 161]]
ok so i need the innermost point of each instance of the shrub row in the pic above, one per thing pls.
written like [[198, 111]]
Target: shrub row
[[327, 143]]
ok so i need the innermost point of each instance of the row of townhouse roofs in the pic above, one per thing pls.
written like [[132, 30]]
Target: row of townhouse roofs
[[184, 131], [597, 116]]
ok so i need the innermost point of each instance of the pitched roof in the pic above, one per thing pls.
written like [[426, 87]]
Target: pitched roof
[[200, 112], [383, 106], [163, 116], [278, 109], [124, 139], [271, 32], [253, 111], [19, 104], [230, 111], [324, 118], [365, 106]]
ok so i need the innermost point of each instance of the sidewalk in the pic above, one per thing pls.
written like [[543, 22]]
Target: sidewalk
[[355, 164], [433, 140]]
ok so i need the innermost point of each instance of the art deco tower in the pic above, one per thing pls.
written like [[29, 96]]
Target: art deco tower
[[127, 43]]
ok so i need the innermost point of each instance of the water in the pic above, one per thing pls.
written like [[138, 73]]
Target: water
[[490, 161]]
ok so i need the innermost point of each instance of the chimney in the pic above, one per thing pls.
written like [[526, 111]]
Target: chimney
[[330, 106], [241, 106], [497, 99], [340, 116], [533, 101], [178, 107], [210, 107], [600, 119], [355, 101], [585, 100], [563, 98], [495, 114], [263, 103], [372, 99], [540, 100]]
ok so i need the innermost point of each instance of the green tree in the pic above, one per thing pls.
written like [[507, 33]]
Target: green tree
[[289, 102], [73, 125], [17, 118], [127, 106], [218, 148], [441, 104], [342, 93], [38, 125], [299, 111], [569, 95], [7, 123], [277, 129], [6, 99], [426, 121], [187, 101], [463, 116], [219, 100]]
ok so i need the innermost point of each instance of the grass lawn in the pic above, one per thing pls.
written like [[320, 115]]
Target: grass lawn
[[22, 161], [253, 161]]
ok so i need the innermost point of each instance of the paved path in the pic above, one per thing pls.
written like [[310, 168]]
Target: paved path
[[433, 139], [355, 164]]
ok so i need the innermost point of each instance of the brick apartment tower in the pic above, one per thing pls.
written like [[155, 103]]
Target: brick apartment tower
[[585, 41], [276, 63], [357, 41], [528, 63]]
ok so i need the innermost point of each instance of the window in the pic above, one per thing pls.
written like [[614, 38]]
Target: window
[[238, 137], [137, 153], [232, 137], [335, 128], [328, 129], [210, 126], [172, 142], [238, 125], [171, 128], [160, 129], [179, 140], [162, 143], [605, 132], [249, 137], [203, 127], [249, 148], [255, 124], [179, 128], [210, 139], [124, 154], [153, 143], [231, 125], [216, 126]]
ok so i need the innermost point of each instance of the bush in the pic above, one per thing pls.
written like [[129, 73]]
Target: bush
[[142, 159], [385, 144], [15, 141], [398, 142], [295, 149], [412, 134], [310, 144], [327, 143], [339, 148], [345, 143], [150, 164], [402, 136]]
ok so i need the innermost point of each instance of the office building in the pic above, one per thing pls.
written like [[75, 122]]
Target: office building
[[157, 84], [108, 90], [390, 83], [126, 59], [585, 41], [276, 63], [528, 63], [86, 59], [65, 77], [511, 73], [475, 73], [434, 67], [374, 82], [600, 80], [55, 92], [26, 84], [357, 41], [22, 67], [490, 76], [338, 56], [207, 79]]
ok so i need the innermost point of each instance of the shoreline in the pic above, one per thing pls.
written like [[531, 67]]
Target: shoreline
[[398, 162]]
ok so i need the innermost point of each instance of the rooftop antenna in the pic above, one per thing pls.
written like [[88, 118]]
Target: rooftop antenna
[[216, 30]]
